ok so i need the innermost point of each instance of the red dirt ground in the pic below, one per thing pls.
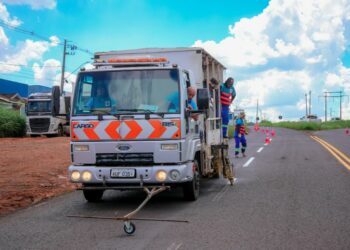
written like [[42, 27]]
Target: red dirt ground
[[32, 170]]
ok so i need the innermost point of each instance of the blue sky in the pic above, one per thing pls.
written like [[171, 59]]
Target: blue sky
[[277, 50], [120, 24]]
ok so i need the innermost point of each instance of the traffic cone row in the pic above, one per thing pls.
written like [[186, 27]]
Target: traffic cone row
[[268, 133]]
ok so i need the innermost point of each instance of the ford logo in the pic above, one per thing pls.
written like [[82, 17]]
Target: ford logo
[[123, 147]]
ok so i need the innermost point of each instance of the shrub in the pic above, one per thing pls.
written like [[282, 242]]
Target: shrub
[[11, 124]]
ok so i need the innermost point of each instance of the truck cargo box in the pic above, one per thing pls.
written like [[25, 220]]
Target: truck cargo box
[[201, 64]]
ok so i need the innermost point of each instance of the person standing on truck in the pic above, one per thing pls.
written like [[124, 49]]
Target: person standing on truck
[[191, 92], [227, 95], [240, 133]]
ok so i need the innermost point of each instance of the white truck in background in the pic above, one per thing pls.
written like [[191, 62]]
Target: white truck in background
[[48, 114]]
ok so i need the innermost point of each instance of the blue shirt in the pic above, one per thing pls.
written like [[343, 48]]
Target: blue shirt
[[192, 104]]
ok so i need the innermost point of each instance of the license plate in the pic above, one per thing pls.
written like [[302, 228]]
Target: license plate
[[123, 173]]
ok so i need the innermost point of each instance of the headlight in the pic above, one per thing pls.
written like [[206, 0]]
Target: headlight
[[174, 175], [75, 176], [81, 147], [86, 176], [172, 146], [161, 175]]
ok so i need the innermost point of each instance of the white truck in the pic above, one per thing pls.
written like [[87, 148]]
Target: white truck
[[48, 114], [131, 126]]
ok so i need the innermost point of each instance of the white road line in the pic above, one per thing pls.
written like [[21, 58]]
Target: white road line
[[174, 246], [171, 246], [178, 246], [248, 162], [220, 193], [260, 149]]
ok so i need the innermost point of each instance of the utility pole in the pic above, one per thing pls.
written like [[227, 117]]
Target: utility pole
[[71, 48], [257, 111], [340, 104], [325, 106], [334, 94], [306, 109], [310, 102], [63, 64]]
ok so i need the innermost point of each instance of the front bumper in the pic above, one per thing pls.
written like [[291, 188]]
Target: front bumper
[[145, 175], [42, 133]]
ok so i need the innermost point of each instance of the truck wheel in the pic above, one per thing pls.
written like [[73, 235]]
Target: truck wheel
[[93, 195], [191, 189], [60, 131]]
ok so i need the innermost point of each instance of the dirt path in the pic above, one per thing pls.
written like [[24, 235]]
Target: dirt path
[[32, 169]]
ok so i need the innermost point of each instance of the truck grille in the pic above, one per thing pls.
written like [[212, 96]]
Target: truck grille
[[39, 125], [124, 159]]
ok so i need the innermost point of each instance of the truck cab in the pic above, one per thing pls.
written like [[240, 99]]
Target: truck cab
[[131, 127], [41, 119]]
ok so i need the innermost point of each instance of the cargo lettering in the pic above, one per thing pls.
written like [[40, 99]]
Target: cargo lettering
[[83, 125]]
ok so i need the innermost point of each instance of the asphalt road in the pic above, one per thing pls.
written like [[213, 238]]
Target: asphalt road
[[292, 195]]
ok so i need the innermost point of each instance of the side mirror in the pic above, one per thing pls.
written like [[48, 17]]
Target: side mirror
[[55, 95], [203, 99]]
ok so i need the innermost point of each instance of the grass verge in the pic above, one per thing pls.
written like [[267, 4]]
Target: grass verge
[[308, 125]]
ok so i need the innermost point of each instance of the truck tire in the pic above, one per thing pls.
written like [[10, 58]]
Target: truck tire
[[93, 195], [191, 189], [60, 131]]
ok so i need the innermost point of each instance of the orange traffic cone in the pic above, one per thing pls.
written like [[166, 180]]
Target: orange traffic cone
[[273, 133], [267, 140], [347, 131], [256, 127], [262, 130]]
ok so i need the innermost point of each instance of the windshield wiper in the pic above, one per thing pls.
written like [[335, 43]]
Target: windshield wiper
[[100, 112], [147, 111]]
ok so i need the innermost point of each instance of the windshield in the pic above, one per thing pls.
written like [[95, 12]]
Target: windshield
[[128, 91], [39, 106]]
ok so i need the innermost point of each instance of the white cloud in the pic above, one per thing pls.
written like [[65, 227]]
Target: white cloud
[[22, 54], [34, 4], [291, 47], [5, 16], [54, 41], [49, 74], [13, 57], [3, 38], [46, 75]]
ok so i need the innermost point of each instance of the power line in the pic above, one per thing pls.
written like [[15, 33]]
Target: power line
[[32, 33], [27, 66]]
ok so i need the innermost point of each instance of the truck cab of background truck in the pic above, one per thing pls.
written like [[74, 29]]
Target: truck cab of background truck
[[41, 118], [130, 127]]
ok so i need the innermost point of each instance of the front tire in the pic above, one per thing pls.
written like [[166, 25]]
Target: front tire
[[60, 131], [93, 195], [191, 189]]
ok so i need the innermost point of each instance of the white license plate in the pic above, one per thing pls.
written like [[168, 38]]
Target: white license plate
[[123, 173]]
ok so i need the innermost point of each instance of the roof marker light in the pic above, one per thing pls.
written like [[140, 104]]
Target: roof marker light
[[133, 60]]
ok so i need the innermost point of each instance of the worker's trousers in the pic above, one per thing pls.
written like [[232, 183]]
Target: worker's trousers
[[225, 119], [240, 139]]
